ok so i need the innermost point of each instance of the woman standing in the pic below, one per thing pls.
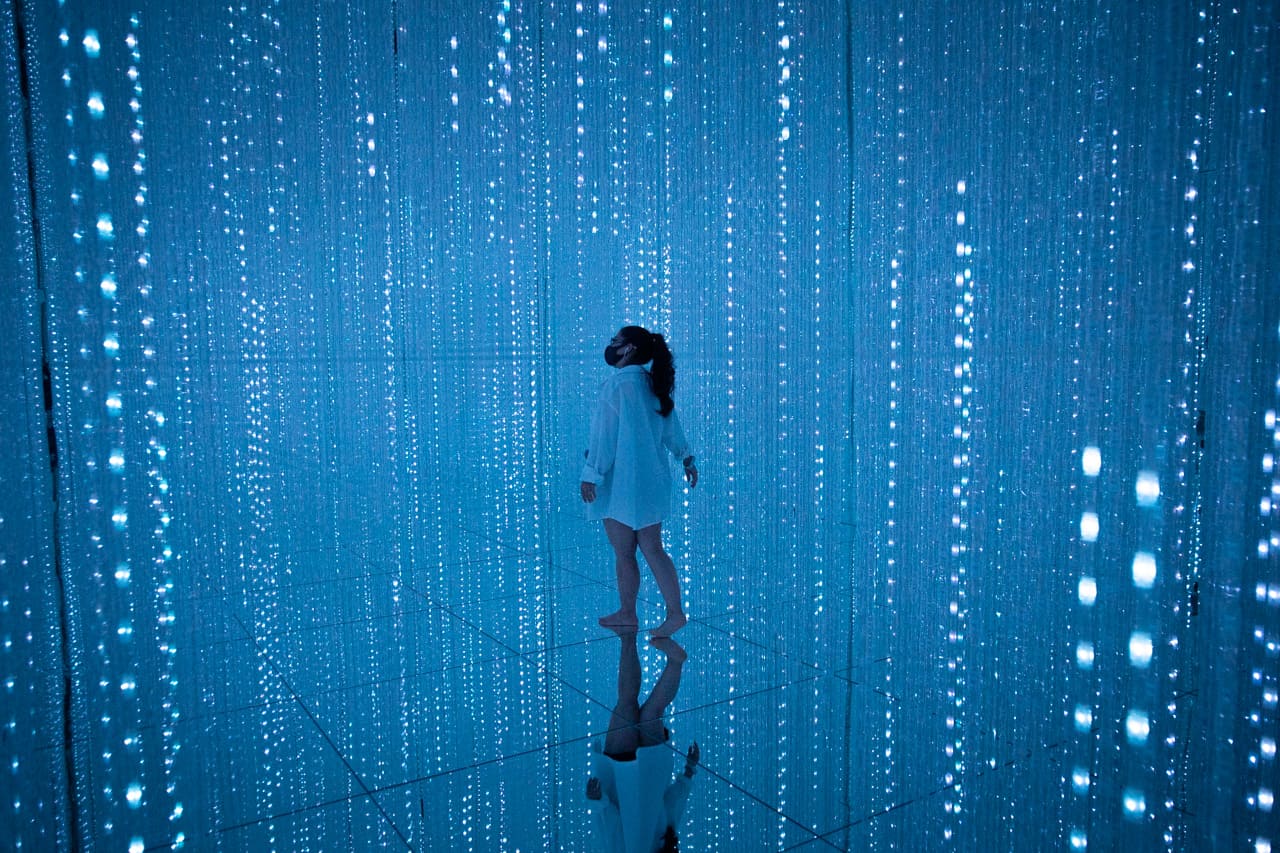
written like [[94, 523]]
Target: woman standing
[[626, 481]]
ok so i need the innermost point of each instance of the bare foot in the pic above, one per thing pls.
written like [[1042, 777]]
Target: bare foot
[[674, 651], [669, 626], [619, 619]]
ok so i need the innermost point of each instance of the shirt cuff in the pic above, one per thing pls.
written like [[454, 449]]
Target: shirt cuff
[[590, 475]]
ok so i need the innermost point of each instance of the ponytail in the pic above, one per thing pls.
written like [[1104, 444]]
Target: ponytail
[[662, 376]]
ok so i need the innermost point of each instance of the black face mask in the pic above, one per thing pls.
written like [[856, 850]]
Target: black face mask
[[613, 354]]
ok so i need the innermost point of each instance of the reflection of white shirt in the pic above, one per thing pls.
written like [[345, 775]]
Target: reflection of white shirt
[[626, 458], [637, 804]]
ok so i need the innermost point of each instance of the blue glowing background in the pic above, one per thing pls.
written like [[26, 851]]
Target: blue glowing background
[[977, 328]]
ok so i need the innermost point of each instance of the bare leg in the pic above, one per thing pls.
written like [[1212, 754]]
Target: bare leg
[[652, 731], [623, 540], [664, 572], [623, 734]]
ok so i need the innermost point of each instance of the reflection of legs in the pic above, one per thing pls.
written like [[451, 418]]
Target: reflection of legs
[[623, 540], [622, 738], [664, 572], [652, 731]]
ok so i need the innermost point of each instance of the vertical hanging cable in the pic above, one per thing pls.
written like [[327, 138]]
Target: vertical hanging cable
[[46, 371]]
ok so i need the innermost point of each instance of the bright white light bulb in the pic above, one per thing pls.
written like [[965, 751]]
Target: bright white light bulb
[[1135, 804], [1137, 727], [1144, 570], [1141, 649], [1147, 488], [1091, 461]]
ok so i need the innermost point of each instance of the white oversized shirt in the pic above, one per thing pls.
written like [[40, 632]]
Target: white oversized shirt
[[637, 804], [627, 456]]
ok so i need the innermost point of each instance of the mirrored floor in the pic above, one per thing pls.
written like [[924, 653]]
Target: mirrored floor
[[470, 703]]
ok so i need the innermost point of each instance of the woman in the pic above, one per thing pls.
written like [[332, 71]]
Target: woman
[[626, 481], [636, 804]]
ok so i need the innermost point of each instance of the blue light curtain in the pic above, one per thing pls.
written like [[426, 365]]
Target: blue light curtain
[[975, 314]]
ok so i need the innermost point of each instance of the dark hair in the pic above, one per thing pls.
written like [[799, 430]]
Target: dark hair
[[670, 843], [662, 376]]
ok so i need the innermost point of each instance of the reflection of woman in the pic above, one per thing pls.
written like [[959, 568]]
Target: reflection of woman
[[626, 481], [637, 805]]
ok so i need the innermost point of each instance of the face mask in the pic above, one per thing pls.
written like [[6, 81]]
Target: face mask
[[613, 354]]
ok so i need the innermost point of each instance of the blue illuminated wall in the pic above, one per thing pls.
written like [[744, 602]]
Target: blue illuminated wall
[[977, 328]]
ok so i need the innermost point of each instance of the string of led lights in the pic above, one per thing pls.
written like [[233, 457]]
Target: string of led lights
[[386, 397], [1260, 704], [896, 324], [156, 441], [32, 665], [1189, 414], [955, 719]]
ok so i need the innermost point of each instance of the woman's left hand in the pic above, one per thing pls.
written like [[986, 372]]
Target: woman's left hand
[[588, 491], [691, 474]]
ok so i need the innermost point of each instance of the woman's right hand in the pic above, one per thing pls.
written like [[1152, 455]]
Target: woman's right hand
[[588, 491], [691, 474]]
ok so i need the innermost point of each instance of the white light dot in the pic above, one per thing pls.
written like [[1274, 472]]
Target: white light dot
[[1147, 488], [1089, 527], [1091, 461], [1135, 804], [1144, 570], [1137, 727], [1140, 649]]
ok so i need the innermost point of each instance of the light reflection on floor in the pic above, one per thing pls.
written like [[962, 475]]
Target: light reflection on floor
[[335, 712]]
